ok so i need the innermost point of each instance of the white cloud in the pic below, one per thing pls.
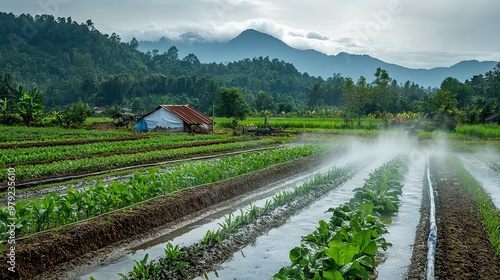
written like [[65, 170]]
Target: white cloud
[[316, 35]]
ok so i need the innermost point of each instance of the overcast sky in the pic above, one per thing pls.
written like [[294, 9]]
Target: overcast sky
[[412, 33]]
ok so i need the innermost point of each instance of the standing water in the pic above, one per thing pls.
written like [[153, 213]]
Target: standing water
[[192, 231], [269, 253], [487, 177], [404, 223]]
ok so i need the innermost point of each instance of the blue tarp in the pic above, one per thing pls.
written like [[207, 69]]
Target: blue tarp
[[141, 126]]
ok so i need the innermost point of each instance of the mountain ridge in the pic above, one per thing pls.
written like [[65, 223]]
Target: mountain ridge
[[252, 43]]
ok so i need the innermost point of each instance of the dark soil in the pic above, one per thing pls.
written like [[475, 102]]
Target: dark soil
[[463, 249], [48, 251]]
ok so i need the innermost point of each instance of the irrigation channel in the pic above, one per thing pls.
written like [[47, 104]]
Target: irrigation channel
[[269, 252], [486, 176], [191, 231]]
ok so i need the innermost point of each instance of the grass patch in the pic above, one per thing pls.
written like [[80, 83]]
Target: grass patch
[[481, 131], [305, 123], [490, 215], [23, 134]]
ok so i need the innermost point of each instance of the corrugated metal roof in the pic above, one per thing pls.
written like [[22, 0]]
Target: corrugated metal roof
[[187, 114]]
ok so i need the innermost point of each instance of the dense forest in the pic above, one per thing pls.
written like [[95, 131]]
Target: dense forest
[[65, 62]]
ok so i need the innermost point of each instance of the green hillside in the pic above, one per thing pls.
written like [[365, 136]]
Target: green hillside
[[69, 62]]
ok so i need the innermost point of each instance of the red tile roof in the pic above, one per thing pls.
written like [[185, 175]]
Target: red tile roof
[[187, 114]]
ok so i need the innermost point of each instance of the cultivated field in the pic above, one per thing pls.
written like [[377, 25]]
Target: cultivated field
[[110, 205]]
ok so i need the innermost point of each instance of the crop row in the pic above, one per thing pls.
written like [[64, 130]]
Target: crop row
[[175, 260], [52, 211], [21, 134], [345, 246], [34, 154], [490, 215], [309, 123], [69, 167]]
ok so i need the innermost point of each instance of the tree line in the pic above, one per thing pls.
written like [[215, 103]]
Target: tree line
[[60, 63]]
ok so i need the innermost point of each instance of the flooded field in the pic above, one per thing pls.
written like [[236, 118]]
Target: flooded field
[[267, 250]]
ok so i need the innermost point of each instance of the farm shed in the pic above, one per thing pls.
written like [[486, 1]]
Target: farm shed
[[174, 118]]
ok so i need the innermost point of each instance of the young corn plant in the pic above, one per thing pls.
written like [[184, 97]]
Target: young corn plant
[[253, 213], [143, 270], [268, 206], [181, 266], [172, 252], [244, 217], [42, 212], [211, 236], [229, 225]]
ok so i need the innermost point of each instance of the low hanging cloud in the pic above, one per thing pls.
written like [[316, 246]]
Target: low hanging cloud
[[316, 35], [385, 29]]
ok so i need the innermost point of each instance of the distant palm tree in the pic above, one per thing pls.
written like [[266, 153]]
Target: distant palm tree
[[29, 104]]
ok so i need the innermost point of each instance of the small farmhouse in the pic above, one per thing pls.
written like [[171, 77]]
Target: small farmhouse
[[174, 118]]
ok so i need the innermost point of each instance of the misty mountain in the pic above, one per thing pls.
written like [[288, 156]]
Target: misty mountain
[[252, 43]]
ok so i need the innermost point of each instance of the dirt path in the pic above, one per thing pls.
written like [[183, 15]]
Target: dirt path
[[463, 249]]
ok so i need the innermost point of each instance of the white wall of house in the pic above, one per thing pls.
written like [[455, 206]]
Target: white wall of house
[[165, 119]]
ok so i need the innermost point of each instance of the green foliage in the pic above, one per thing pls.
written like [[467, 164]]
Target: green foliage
[[70, 61], [172, 252], [298, 123], [319, 185], [442, 109], [480, 131], [264, 101], [461, 91], [87, 164], [230, 103], [54, 210], [60, 54], [29, 105], [382, 188], [490, 214], [13, 135], [345, 247], [32, 155], [144, 270], [75, 116]]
